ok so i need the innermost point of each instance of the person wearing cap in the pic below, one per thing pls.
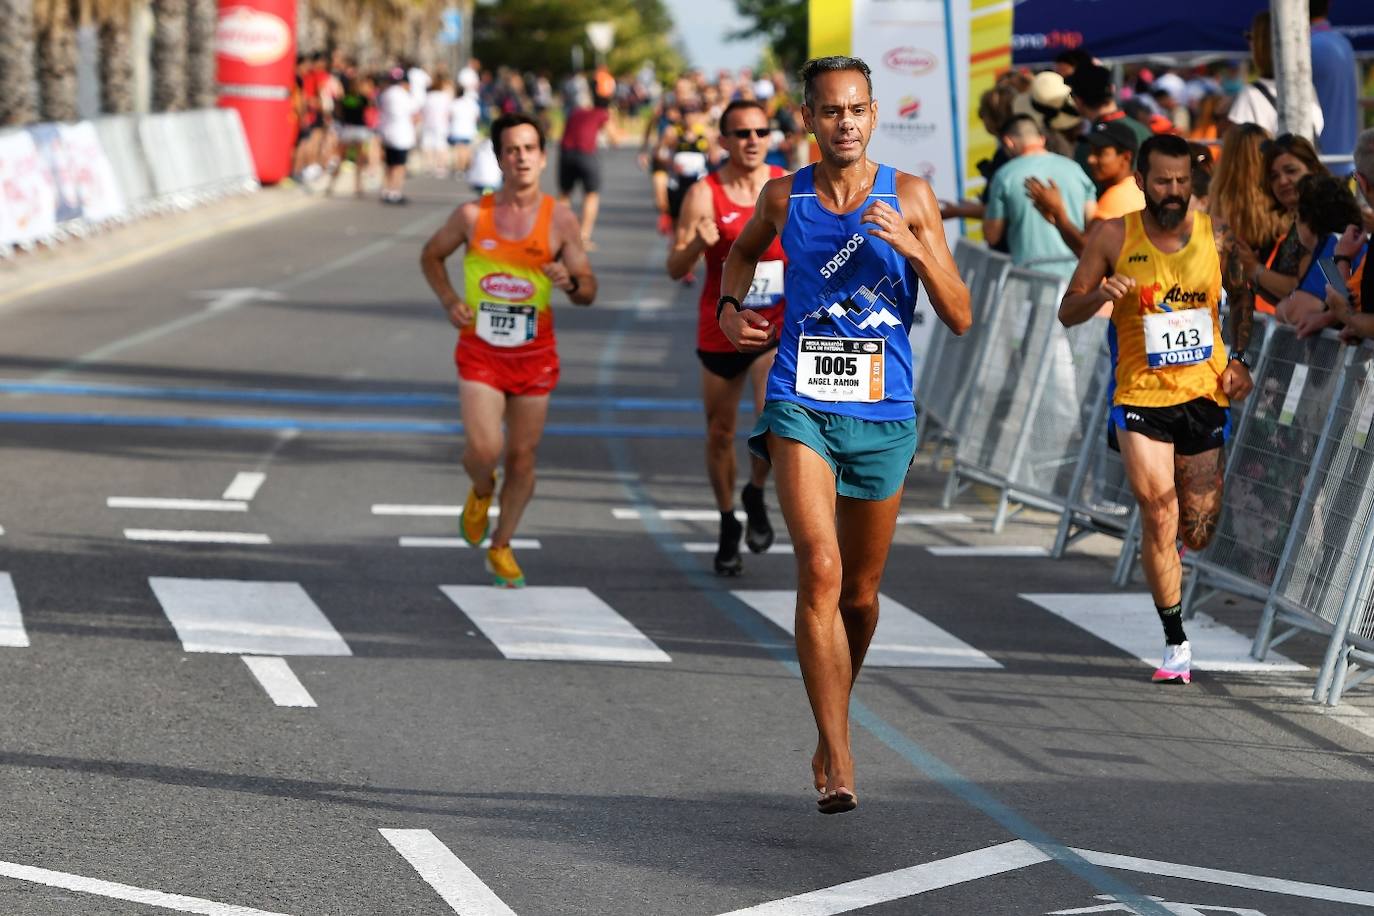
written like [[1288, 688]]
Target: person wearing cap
[[1111, 163], [1095, 95], [1051, 99], [1033, 242], [1171, 94]]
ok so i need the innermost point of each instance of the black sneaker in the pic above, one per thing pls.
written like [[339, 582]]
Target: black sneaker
[[728, 561], [758, 533]]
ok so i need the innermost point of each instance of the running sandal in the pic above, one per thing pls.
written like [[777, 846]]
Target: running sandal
[[728, 561], [505, 572], [476, 520], [758, 533], [1177, 666]]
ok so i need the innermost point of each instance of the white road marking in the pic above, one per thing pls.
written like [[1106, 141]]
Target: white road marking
[[280, 682], [246, 618], [1229, 878], [1128, 621], [553, 623], [710, 547], [425, 510], [245, 485], [989, 550], [459, 887], [196, 537], [178, 505], [225, 299], [12, 631], [933, 518], [515, 543], [113, 891], [673, 515], [905, 882], [904, 639]]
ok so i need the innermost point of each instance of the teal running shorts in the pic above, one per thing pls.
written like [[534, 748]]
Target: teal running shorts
[[870, 458]]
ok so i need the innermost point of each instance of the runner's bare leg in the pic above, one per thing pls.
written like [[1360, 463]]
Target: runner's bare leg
[[525, 418], [758, 377], [483, 408], [1150, 470], [721, 399]]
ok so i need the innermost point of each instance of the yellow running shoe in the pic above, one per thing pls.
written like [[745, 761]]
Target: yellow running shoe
[[476, 517], [505, 572]]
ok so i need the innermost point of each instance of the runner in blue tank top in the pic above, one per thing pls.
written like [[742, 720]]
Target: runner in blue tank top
[[840, 418]]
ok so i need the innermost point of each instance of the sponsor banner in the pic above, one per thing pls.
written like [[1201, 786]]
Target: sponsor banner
[[28, 200], [255, 53], [90, 169]]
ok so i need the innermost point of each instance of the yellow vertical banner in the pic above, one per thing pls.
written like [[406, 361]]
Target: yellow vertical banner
[[830, 27], [989, 56]]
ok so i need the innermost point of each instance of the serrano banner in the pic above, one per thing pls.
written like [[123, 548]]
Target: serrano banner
[[255, 44]]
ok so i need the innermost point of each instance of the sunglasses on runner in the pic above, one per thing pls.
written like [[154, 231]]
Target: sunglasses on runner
[[744, 133]]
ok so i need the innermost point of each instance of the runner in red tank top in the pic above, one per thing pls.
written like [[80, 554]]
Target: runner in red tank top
[[713, 213]]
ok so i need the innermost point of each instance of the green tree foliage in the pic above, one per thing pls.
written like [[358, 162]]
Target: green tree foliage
[[540, 34], [783, 23]]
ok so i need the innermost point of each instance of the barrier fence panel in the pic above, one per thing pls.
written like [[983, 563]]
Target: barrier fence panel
[[1016, 365], [119, 136], [1290, 414], [932, 393]]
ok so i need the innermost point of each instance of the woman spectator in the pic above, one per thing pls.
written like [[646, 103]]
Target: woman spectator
[[1237, 198], [1202, 175], [1325, 208], [1258, 102], [1287, 161]]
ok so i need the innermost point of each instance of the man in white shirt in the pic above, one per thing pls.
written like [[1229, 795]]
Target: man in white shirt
[[399, 118], [1258, 102]]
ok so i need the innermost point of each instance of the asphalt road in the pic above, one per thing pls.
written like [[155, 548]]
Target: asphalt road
[[652, 758]]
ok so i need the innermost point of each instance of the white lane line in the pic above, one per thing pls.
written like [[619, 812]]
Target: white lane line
[[710, 547], [553, 623], [1128, 621], [99, 888], [195, 537], [903, 639], [280, 682], [425, 510], [934, 518], [673, 515], [905, 882], [989, 550], [245, 485], [1229, 878], [179, 505], [12, 631], [246, 618], [459, 887], [459, 543]]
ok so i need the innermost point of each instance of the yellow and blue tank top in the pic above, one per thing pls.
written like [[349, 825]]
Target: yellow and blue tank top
[[844, 347], [1165, 336]]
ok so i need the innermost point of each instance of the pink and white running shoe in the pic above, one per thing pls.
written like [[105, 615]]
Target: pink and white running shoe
[[1177, 666]]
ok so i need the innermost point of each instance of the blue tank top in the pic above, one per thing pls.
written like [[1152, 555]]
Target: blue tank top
[[844, 346]]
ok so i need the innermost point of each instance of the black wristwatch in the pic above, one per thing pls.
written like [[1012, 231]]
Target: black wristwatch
[[1241, 358], [720, 305]]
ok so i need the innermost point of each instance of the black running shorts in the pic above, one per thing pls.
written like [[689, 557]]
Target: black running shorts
[[1194, 427], [576, 167], [728, 365]]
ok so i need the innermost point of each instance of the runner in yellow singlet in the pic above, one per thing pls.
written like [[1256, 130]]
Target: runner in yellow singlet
[[1160, 270]]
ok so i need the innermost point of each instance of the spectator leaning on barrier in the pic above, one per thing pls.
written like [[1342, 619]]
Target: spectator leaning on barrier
[[1337, 81], [1238, 199], [1356, 312], [1287, 161], [1111, 162], [1033, 241], [1095, 96], [994, 109], [1325, 208]]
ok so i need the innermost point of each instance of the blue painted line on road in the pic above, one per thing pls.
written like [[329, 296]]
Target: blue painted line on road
[[784, 652], [301, 424], [327, 398]]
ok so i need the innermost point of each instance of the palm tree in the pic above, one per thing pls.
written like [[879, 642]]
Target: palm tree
[[56, 32], [169, 55], [18, 100], [114, 23], [201, 89]]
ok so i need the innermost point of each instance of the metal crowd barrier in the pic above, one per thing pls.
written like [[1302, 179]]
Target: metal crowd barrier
[[1023, 403]]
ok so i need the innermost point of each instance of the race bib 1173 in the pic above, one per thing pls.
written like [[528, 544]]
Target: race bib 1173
[[504, 325]]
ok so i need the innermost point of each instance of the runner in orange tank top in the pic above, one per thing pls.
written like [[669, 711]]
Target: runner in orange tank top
[[713, 213], [520, 245], [1160, 271]]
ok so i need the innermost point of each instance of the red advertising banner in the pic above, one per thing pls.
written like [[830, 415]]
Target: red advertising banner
[[255, 45]]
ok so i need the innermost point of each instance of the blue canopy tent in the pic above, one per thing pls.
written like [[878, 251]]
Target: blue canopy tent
[[1160, 28]]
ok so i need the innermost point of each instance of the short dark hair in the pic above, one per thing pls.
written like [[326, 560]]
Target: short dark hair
[[1075, 57], [1019, 125], [1326, 205], [740, 105], [835, 64], [1317, 9], [1092, 85], [1170, 145], [514, 119]]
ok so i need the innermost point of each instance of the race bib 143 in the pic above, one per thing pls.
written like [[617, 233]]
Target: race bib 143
[[1180, 338]]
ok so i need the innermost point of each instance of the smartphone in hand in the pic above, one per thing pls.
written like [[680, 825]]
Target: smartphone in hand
[[1333, 276]]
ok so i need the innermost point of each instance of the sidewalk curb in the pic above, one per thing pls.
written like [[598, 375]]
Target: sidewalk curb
[[83, 259]]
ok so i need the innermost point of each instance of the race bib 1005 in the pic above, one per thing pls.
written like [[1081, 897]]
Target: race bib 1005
[[1181, 338], [504, 325], [767, 288], [840, 368]]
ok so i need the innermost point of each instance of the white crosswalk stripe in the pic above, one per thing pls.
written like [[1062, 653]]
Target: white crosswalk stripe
[[246, 617], [12, 631], [553, 623], [904, 639]]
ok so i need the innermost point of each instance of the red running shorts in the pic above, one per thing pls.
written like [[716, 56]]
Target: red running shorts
[[517, 374]]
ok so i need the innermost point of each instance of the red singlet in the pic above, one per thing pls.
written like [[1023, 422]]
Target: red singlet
[[766, 295]]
